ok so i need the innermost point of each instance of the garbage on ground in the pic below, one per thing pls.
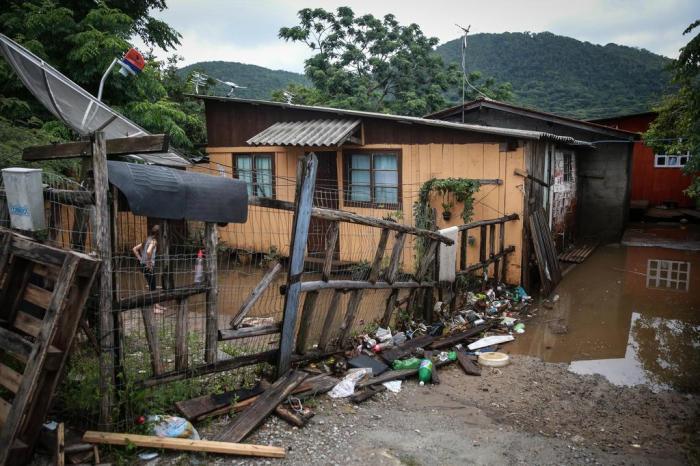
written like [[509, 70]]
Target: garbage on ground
[[488, 341], [346, 387], [494, 359], [393, 386]]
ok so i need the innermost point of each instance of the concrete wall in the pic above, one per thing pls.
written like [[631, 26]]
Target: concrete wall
[[604, 173]]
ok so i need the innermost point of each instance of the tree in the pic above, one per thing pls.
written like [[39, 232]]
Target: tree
[[366, 63], [81, 39], [677, 128]]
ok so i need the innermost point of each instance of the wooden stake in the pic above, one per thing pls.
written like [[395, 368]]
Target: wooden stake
[[103, 245], [211, 239]]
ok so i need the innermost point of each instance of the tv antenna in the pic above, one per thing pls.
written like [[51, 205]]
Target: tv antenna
[[465, 78], [232, 86]]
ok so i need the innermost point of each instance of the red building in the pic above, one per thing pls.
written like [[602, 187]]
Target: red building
[[656, 178]]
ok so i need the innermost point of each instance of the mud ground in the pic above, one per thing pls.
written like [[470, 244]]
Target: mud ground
[[530, 412]]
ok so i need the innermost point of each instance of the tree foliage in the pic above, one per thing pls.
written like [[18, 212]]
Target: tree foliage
[[677, 128], [566, 76], [80, 39], [368, 63]]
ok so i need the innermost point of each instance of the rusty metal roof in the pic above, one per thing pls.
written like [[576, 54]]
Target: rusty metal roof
[[320, 132]]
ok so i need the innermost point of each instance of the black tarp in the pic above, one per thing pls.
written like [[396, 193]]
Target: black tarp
[[161, 192]]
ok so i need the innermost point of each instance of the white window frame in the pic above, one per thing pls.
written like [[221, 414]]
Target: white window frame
[[674, 279], [668, 157]]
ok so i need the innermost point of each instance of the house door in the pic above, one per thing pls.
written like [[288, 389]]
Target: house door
[[325, 195]]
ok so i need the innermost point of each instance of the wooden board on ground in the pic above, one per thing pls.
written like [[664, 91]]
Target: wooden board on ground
[[197, 407], [367, 393], [266, 403], [468, 364], [452, 340], [406, 348], [206, 446]]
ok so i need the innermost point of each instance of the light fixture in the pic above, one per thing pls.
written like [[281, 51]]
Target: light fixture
[[132, 63]]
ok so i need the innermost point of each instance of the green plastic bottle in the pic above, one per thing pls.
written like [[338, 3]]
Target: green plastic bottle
[[425, 371], [410, 363]]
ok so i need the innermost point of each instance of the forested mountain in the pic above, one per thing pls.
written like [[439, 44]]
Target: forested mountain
[[563, 75], [259, 81]]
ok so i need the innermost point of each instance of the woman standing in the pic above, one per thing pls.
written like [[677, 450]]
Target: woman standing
[[146, 254]]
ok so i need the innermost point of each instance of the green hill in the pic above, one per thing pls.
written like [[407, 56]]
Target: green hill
[[563, 75], [259, 81]]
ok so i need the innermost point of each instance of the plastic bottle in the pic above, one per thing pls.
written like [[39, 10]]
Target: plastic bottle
[[199, 267], [379, 347], [410, 363], [425, 371], [452, 355]]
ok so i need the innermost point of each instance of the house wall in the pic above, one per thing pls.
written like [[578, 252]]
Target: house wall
[[603, 194], [419, 162], [653, 184]]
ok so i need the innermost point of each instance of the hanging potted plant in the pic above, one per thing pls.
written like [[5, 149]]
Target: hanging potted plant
[[447, 210]]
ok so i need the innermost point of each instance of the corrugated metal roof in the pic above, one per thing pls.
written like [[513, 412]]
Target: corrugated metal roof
[[508, 132], [318, 132]]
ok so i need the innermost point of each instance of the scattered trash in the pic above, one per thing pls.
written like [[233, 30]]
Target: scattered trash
[[410, 363], [519, 328], [393, 386], [425, 371], [492, 340], [494, 359], [346, 387], [172, 427]]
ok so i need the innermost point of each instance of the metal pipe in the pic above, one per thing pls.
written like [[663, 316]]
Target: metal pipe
[[104, 78]]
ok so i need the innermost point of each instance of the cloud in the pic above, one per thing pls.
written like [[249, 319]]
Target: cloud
[[246, 31]]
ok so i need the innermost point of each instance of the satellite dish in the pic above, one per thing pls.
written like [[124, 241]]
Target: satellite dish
[[72, 104]]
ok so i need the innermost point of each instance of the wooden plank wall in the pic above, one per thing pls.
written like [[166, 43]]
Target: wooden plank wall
[[266, 228]]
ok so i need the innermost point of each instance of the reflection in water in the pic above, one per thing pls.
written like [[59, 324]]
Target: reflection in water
[[630, 314]]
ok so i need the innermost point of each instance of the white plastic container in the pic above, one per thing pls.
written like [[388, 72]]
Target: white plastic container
[[25, 198]]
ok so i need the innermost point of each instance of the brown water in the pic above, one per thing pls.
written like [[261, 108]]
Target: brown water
[[616, 319]]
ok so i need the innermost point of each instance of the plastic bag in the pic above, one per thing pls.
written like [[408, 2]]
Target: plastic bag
[[346, 387]]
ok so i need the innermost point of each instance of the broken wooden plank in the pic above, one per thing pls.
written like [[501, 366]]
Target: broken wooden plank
[[254, 295], [196, 407], [406, 348], [353, 307], [331, 241], [468, 364], [182, 444], [350, 217], [244, 424], [362, 285], [390, 306], [247, 332], [306, 320], [306, 181], [378, 256], [396, 253], [13, 343], [150, 298], [452, 340], [327, 330], [294, 418], [367, 393], [118, 146]]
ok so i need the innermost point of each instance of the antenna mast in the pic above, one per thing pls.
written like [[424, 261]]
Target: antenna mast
[[464, 62]]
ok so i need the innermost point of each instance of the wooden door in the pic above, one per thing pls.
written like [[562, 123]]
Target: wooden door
[[326, 195]]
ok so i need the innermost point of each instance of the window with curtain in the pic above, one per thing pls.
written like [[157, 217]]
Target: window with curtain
[[256, 171], [372, 179]]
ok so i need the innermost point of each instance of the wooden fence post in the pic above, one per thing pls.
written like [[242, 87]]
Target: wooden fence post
[[211, 241], [103, 245], [300, 232]]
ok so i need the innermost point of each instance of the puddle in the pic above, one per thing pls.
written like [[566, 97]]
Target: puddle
[[631, 314]]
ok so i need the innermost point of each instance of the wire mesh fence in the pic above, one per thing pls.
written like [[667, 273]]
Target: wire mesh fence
[[148, 339]]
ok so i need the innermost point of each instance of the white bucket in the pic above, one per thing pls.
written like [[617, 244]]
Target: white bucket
[[25, 198]]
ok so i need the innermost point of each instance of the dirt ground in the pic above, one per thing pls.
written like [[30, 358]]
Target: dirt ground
[[530, 412]]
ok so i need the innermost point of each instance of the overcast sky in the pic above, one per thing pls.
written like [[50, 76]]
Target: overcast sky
[[246, 31]]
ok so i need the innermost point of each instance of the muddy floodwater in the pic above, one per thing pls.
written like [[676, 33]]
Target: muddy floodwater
[[631, 314]]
